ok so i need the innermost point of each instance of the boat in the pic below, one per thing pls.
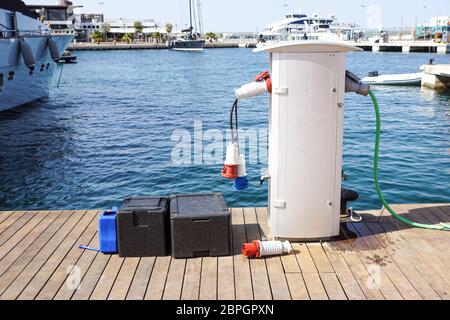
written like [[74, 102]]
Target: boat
[[68, 58], [28, 55], [298, 26], [60, 17], [405, 79], [190, 39]]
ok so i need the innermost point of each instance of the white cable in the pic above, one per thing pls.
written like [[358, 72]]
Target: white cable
[[250, 90], [274, 248]]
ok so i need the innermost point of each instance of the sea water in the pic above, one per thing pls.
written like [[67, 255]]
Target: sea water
[[126, 123]]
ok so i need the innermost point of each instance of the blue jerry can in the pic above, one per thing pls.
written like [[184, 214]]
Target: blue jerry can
[[107, 231]]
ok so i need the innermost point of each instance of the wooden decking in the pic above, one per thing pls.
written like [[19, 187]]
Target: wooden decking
[[377, 259]]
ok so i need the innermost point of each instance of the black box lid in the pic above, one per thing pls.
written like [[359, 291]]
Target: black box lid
[[198, 205], [150, 204]]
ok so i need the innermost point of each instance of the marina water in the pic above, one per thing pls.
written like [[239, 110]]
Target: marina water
[[110, 131]]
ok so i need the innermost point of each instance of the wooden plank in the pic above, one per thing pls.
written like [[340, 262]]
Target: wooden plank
[[426, 249], [439, 240], [358, 269], [277, 277], [123, 282], [380, 257], [19, 242], [320, 258], [53, 269], [446, 209], [141, 279], [175, 277], [12, 225], [344, 274], [290, 263], [59, 276], [208, 282], [242, 273], [304, 258], [59, 226], [225, 279], [416, 257], [12, 219], [333, 286], [408, 268], [50, 256], [315, 287], [158, 279], [5, 215], [107, 279], [297, 286], [25, 231], [371, 263], [191, 283], [258, 268], [75, 274]]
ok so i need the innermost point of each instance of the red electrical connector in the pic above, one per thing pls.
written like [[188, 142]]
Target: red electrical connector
[[259, 249], [252, 250]]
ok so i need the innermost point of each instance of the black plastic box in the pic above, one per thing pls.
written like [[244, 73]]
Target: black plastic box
[[200, 226], [143, 227]]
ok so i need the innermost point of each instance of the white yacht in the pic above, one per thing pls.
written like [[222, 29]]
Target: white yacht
[[298, 26], [28, 55]]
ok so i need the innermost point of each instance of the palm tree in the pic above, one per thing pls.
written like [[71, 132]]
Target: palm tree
[[138, 27], [157, 36], [106, 28], [169, 27], [127, 38], [211, 36], [97, 36]]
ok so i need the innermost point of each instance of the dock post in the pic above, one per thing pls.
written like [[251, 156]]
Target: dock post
[[406, 48], [436, 77], [443, 48]]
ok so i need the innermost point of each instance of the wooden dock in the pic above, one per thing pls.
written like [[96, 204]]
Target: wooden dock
[[378, 259]]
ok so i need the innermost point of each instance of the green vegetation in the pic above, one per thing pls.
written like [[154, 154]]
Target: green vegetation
[[169, 27], [211, 36], [97, 36], [128, 38], [157, 37], [106, 29], [138, 26]]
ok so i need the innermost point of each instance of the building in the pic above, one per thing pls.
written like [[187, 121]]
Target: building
[[119, 27], [87, 23], [438, 28]]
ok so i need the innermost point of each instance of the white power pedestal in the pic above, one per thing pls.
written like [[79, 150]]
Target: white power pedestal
[[306, 138]]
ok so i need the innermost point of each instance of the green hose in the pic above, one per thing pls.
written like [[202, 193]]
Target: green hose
[[443, 226]]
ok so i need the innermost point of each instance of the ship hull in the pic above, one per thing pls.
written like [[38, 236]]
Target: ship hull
[[187, 45], [18, 86]]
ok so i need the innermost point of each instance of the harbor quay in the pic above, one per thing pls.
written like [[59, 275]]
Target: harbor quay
[[401, 46], [104, 46]]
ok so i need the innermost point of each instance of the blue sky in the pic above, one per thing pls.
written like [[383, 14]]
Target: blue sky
[[249, 15]]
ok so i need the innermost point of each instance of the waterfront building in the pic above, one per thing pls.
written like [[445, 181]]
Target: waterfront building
[[438, 28], [87, 23], [120, 27]]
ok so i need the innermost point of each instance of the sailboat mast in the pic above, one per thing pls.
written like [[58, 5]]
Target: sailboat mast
[[190, 15]]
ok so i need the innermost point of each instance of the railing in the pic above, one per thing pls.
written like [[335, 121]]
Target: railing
[[11, 34]]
